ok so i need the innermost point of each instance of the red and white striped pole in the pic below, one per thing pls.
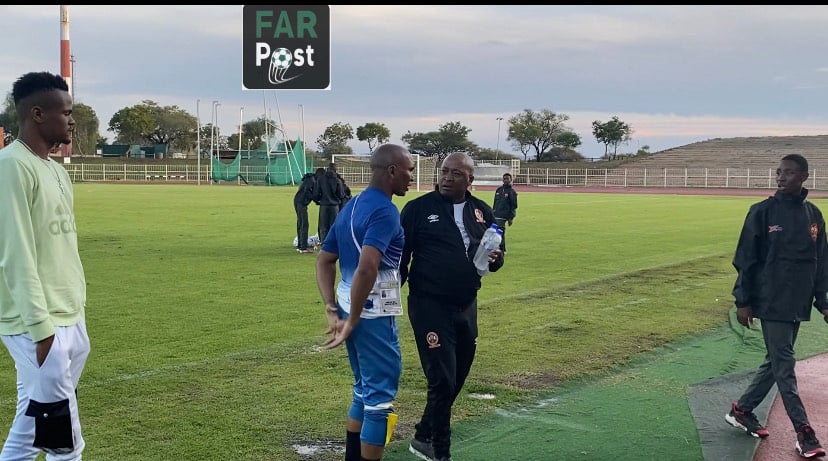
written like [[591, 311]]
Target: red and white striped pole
[[65, 64], [65, 150]]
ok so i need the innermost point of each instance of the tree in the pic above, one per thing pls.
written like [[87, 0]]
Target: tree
[[451, 137], [204, 142], [565, 151], [612, 133], [85, 137], [131, 125], [374, 133], [569, 140], [149, 123], [8, 119], [252, 131], [483, 153], [643, 151], [540, 131], [333, 140]]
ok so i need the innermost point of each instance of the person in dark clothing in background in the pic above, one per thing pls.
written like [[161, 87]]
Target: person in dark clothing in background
[[442, 232], [505, 205], [301, 200], [318, 174], [780, 262], [328, 196], [346, 192]]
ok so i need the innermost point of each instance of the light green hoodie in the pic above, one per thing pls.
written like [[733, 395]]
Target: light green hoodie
[[42, 284]]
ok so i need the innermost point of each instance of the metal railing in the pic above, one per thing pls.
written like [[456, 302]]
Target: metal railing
[[744, 178]]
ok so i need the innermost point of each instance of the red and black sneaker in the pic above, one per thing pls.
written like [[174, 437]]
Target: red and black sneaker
[[807, 444], [747, 421]]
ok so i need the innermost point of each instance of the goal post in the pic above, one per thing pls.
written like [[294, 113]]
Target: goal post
[[356, 169]]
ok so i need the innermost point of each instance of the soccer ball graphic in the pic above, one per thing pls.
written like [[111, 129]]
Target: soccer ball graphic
[[281, 58]]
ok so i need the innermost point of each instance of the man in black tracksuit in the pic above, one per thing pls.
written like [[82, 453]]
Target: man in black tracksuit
[[782, 272], [328, 196], [442, 232], [301, 200], [505, 205]]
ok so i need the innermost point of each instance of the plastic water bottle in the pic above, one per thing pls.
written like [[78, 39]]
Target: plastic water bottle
[[490, 242]]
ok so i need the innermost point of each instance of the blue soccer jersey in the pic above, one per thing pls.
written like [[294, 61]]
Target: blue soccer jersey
[[372, 219]]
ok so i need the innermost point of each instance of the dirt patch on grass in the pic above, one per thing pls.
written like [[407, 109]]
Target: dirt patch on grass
[[532, 381]]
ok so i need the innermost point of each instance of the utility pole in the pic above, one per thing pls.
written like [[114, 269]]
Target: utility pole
[[212, 128], [241, 117], [198, 144], [72, 60], [302, 121], [497, 151]]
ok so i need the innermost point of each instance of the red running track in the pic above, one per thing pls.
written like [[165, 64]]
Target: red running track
[[812, 381]]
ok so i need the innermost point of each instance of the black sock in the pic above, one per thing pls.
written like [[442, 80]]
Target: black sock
[[353, 446], [366, 459]]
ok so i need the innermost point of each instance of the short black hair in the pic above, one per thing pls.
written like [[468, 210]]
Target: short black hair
[[799, 160], [507, 174], [35, 82]]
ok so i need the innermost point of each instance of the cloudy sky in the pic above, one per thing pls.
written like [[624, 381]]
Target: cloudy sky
[[676, 74]]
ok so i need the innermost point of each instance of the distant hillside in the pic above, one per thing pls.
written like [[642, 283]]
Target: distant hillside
[[749, 152]]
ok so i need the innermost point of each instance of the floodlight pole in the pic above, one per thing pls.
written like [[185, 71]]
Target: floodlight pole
[[198, 144], [218, 133], [212, 133], [212, 128], [302, 119], [497, 151], [241, 117]]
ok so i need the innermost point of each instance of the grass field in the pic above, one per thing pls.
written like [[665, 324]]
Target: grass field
[[205, 322]]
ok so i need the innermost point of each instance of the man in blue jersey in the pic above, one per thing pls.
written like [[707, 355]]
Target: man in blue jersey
[[42, 283], [367, 240]]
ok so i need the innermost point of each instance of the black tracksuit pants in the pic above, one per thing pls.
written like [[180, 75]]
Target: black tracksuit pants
[[446, 336], [327, 216], [302, 225], [501, 223], [778, 368]]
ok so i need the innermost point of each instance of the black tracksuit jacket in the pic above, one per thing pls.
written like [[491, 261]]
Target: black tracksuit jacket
[[780, 259], [328, 190], [440, 265], [304, 194], [505, 202]]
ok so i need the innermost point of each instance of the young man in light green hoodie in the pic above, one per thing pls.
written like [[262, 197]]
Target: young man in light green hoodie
[[42, 284]]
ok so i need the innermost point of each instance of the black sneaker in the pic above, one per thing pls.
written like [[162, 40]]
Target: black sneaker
[[746, 421], [807, 444], [422, 449]]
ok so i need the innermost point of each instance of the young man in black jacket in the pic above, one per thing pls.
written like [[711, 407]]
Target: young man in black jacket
[[442, 232], [782, 272], [301, 200], [505, 205]]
